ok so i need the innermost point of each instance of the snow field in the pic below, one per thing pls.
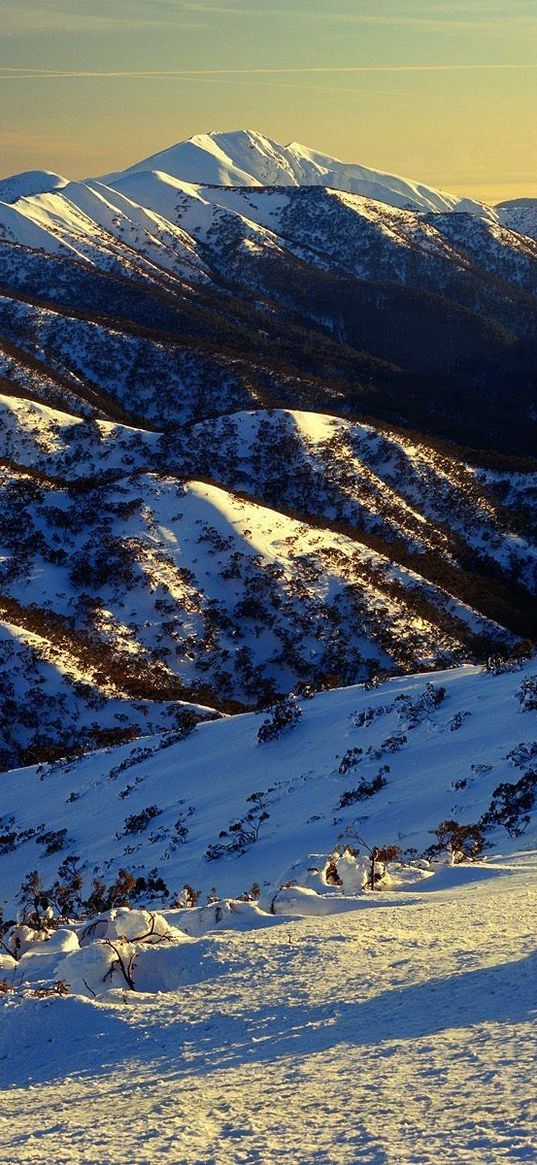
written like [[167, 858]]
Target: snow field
[[391, 1036]]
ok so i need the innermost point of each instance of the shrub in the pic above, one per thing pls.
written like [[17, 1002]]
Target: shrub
[[527, 694], [511, 805], [364, 789], [139, 821], [105, 897], [285, 715], [466, 842], [241, 834], [350, 760], [188, 897], [53, 840]]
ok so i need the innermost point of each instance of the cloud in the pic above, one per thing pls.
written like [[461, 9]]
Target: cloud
[[24, 18], [22, 73], [20, 17]]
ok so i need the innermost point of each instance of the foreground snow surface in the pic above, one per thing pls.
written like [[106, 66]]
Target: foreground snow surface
[[396, 1034]]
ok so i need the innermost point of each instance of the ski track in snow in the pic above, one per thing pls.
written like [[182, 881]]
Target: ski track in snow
[[399, 1036]]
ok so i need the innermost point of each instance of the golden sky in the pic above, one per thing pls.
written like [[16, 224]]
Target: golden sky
[[444, 92]]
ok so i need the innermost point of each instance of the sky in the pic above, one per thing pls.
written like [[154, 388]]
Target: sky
[[439, 90]]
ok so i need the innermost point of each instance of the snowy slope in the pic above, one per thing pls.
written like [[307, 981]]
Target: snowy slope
[[235, 557], [447, 748], [519, 215], [383, 1036]]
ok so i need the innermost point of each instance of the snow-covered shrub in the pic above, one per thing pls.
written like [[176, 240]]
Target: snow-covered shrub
[[188, 897], [241, 834], [302, 901], [97, 967], [139, 821], [457, 721], [367, 716], [347, 870], [498, 665], [40, 956], [138, 926], [364, 789], [53, 840], [350, 759], [522, 754], [284, 715], [380, 858], [527, 694]]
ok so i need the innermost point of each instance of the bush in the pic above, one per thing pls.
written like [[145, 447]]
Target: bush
[[466, 842], [285, 715], [53, 841], [511, 805], [527, 694], [139, 821], [364, 789], [350, 760], [241, 834], [188, 897]]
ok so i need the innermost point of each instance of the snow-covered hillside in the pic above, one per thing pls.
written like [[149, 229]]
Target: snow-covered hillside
[[519, 215], [218, 564], [419, 995], [268, 683], [222, 808]]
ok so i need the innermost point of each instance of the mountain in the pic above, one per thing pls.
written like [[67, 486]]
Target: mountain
[[248, 158], [253, 436], [30, 182], [519, 215], [268, 682], [299, 266]]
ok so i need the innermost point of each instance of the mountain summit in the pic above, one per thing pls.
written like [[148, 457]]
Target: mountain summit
[[248, 158]]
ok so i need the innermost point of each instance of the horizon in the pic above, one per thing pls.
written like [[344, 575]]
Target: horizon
[[438, 91]]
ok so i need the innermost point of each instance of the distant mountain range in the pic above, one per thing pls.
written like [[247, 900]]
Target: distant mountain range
[[267, 419]]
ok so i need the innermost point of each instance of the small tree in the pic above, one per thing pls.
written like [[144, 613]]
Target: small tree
[[105, 897], [65, 891], [381, 855], [284, 716], [35, 901], [465, 842]]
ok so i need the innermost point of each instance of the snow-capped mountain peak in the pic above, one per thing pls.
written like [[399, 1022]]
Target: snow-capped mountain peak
[[28, 183], [249, 158]]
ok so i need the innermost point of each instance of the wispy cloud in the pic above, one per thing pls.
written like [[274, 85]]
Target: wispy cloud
[[22, 73], [20, 17], [30, 19]]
